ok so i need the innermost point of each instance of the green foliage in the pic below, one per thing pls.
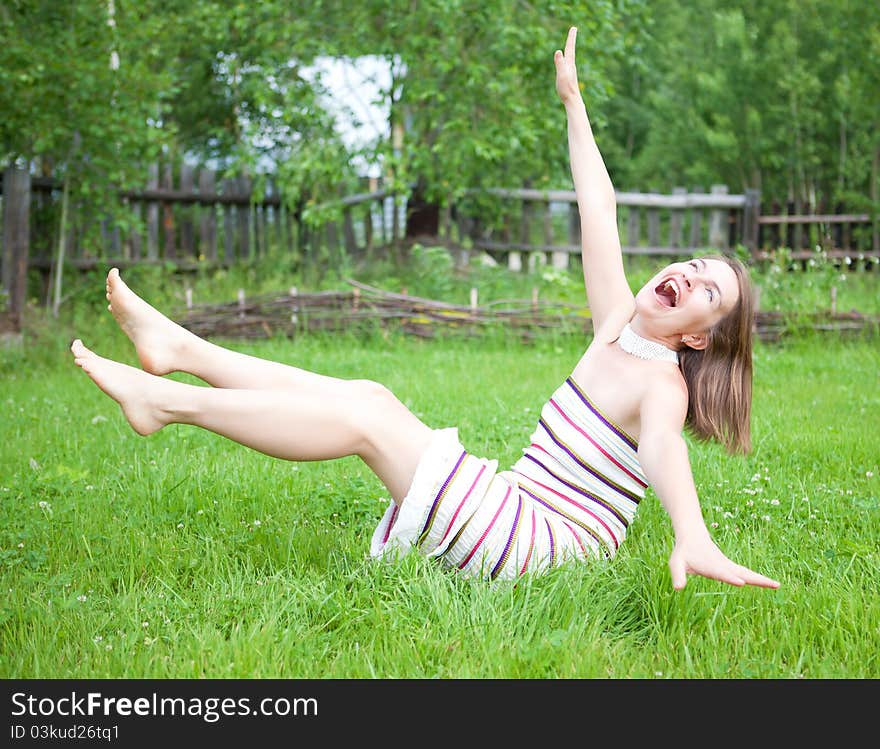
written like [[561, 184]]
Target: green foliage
[[472, 86], [751, 95]]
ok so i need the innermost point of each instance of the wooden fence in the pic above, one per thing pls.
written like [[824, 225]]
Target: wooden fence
[[366, 308], [194, 219], [544, 226]]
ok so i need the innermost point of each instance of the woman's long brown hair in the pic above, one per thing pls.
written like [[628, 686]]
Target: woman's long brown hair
[[719, 377]]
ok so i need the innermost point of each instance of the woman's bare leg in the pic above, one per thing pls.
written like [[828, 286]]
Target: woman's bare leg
[[163, 346], [363, 419]]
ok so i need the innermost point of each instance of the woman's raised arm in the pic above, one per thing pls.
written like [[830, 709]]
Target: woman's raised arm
[[608, 294]]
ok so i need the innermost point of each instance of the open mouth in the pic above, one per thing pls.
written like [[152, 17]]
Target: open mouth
[[668, 293]]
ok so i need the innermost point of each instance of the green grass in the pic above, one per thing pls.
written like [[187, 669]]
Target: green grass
[[185, 555]]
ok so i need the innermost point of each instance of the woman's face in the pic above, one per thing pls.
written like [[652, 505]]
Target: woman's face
[[689, 297]]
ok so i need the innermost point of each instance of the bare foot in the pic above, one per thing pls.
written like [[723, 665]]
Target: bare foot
[[135, 391], [159, 341]]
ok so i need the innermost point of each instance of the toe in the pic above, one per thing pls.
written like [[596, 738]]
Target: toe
[[79, 349]]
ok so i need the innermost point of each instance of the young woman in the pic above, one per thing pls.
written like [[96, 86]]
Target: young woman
[[675, 355]]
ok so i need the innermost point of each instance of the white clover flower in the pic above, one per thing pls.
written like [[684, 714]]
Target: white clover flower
[[774, 501], [81, 598]]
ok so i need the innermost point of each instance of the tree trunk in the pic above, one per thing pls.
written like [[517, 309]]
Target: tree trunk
[[422, 215]]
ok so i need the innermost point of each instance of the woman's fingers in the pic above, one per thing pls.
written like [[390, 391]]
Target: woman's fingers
[[755, 578], [570, 43]]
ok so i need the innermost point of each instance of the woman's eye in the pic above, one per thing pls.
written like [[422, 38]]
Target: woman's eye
[[693, 264], [711, 294]]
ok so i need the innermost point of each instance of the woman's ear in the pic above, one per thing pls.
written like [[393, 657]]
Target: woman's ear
[[697, 341]]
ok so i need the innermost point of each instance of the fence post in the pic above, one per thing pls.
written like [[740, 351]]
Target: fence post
[[751, 218], [152, 211], [243, 217], [574, 226], [558, 258], [16, 237], [696, 216], [514, 258], [675, 219], [633, 226], [717, 222], [187, 230], [168, 228], [207, 217]]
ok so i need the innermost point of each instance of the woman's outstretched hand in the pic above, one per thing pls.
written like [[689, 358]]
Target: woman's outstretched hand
[[566, 73], [703, 557]]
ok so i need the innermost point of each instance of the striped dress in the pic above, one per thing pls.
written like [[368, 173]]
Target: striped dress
[[571, 495]]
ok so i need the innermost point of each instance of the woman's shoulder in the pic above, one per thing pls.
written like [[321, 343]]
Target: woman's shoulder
[[664, 396]]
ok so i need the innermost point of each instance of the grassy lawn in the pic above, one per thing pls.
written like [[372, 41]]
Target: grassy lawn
[[185, 555]]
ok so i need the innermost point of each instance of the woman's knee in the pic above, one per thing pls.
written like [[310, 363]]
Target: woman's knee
[[381, 413], [372, 394]]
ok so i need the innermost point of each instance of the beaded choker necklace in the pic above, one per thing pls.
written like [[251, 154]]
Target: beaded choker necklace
[[634, 344]]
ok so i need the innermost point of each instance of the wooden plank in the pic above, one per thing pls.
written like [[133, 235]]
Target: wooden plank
[[16, 240], [696, 240], [653, 227], [643, 199], [633, 226], [259, 231], [519, 247], [169, 241], [207, 217], [574, 224], [751, 219], [229, 216], [718, 222], [152, 214], [179, 196], [277, 211], [823, 218], [349, 240], [187, 231], [658, 250], [243, 218], [675, 220], [368, 228], [558, 259], [135, 236]]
